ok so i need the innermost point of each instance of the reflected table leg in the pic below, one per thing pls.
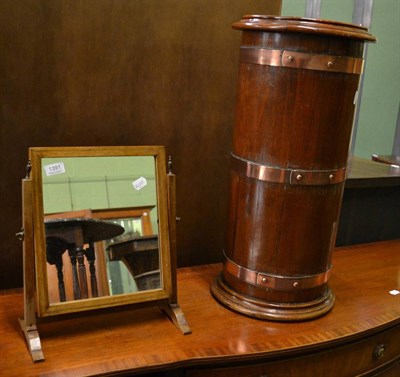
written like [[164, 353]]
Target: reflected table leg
[[91, 258], [75, 280]]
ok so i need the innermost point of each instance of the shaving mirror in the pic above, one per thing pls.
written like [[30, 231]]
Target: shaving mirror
[[98, 232]]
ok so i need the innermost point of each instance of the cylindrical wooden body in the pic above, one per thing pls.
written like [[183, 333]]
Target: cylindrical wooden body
[[297, 90]]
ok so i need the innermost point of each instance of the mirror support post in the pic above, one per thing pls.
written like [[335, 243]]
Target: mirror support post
[[172, 219], [28, 322], [173, 310]]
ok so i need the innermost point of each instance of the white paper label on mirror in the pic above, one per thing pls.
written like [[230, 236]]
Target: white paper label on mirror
[[54, 169], [139, 183]]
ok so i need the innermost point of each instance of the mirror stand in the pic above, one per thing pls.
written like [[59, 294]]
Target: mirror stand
[[28, 322]]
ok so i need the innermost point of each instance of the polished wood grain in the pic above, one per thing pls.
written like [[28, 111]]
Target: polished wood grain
[[143, 340], [122, 72]]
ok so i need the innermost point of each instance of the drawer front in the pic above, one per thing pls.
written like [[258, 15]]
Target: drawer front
[[369, 355]]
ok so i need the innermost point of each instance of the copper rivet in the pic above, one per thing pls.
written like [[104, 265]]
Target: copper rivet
[[291, 58], [330, 177], [330, 64], [296, 284], [264, 280], [299, 177]]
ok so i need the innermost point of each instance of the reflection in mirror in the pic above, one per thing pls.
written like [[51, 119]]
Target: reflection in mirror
[[100, 216]]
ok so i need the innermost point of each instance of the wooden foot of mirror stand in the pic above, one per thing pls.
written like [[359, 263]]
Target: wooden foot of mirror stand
[[33, 341], [28, 322], [176, 315], [173, 310]]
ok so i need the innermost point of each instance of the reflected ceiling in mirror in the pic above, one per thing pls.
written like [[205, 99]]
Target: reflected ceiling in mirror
[[101, 226]]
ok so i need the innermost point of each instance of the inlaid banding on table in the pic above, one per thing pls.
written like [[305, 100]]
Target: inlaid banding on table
[[301, 60]]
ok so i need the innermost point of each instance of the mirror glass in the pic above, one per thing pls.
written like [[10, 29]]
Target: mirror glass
[[102, 222]]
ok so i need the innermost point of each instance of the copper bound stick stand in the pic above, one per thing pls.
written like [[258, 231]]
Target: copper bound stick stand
[[298, 83]]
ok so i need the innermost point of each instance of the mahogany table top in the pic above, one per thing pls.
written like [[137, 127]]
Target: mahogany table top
[[144, 339]]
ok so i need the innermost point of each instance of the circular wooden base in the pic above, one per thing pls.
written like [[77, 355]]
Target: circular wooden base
[[273, 311]]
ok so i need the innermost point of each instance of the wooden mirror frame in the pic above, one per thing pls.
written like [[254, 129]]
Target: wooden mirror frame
[[36, 298]]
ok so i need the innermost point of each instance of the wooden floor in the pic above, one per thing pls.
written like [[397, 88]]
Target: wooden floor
[[145, 340]]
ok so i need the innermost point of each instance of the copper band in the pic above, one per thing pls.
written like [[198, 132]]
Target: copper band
[[293, 59], [279, 283], [289, 176]]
